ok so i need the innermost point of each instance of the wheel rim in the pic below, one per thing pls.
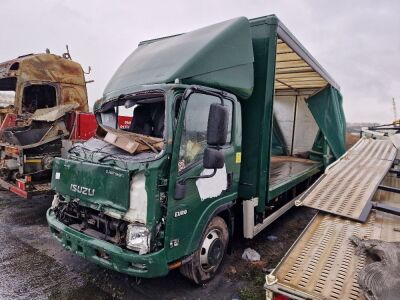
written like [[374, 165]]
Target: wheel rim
[[211, 251]]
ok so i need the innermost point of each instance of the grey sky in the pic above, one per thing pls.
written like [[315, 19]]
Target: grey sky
[[357, 42]]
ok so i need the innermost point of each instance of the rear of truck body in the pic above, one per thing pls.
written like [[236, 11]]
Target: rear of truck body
[[233, 121]]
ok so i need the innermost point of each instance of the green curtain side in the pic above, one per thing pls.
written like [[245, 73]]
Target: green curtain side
[[326, 107]]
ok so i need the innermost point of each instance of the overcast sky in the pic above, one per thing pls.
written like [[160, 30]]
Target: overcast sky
[[357, 42]]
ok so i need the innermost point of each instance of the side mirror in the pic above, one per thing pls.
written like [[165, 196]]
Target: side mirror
[[180, 190], [213, 159], [217, 127]]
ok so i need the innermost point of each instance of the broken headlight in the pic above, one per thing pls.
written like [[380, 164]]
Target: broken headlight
[[138, 238], [56, 201]]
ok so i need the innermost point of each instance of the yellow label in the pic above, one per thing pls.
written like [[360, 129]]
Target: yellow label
[[33, 161], [238, 157]]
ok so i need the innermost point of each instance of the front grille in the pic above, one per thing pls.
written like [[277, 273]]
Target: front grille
[[92, 222]]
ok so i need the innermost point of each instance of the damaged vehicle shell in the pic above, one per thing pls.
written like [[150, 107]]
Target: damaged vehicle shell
[[39, 95]]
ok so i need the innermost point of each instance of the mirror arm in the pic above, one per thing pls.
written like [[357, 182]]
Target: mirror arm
[[183, 181]]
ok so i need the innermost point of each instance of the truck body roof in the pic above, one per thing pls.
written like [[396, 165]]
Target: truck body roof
[[219, 55]]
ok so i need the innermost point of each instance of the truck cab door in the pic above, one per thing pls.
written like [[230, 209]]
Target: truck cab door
[[187, 216]]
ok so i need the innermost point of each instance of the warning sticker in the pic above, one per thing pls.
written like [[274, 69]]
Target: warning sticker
[[238, 157]]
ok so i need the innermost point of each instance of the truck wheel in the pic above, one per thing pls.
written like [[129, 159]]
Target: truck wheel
[[208, 257]]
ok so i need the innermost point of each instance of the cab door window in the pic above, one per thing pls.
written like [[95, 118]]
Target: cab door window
[[194, 133]]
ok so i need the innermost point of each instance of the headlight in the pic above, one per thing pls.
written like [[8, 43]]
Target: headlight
[[55, 202], [138, 238]]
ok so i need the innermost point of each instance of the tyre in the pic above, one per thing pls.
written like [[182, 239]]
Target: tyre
[[208, 257]]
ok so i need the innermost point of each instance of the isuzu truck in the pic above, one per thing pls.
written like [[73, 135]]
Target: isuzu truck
[[231, 123]]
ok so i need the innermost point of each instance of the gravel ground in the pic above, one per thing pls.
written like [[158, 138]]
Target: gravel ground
[[34, 266]]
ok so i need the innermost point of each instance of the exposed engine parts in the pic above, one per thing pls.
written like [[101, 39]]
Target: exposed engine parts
[[92, 222]]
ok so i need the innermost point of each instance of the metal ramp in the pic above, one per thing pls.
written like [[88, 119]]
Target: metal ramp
[[323, 263], [346, 188]]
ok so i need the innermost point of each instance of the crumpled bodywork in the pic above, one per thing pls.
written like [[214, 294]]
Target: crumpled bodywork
[[30, 149], [48, 92], [53, 113]]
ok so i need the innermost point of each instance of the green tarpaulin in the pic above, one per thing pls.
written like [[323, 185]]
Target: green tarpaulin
[[278, 144], [326, 107]]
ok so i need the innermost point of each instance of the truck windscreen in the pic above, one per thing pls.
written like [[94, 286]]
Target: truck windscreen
[[146, 116]]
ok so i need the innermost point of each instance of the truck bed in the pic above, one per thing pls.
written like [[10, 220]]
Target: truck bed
[[289, 170], [323, 263], [285, 167], [347, 188]]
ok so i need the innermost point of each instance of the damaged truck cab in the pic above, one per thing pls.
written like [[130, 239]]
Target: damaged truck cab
[[39, 94], [230, 123]]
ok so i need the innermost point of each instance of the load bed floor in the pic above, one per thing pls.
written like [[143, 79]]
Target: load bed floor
[[285, 167], [289, 170]]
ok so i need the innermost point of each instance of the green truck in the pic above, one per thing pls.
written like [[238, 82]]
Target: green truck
[[231, 123]]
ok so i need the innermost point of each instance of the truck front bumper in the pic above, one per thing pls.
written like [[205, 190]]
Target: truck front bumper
[[106, 254]]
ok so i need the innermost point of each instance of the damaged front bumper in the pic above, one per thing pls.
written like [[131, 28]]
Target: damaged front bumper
[[107, 254]]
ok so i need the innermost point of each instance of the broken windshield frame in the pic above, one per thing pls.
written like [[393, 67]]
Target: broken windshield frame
[[146, 113], [7, 91], [132, 123], [7, 98]]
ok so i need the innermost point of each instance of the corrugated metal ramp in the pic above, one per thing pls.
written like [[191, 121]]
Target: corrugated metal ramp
[[347, 187], [323, 263]]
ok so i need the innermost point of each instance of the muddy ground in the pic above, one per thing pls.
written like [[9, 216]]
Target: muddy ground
[[34, 266]]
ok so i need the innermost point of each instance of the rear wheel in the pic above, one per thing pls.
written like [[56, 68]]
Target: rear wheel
[[208, 257]]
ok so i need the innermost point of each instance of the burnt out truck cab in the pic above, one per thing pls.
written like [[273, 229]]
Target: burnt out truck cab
[[231, 123], [40, 97]]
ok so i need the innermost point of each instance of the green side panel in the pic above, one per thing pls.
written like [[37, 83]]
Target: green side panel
[[219, 56], [96, 184], [278, 143], [257, 116], [326, 107]]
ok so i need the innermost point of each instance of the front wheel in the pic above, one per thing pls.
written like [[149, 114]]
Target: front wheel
[[208, 257]]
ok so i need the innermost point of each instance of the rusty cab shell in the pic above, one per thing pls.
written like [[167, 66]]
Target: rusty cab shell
[[64, 80], [65, 75]]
